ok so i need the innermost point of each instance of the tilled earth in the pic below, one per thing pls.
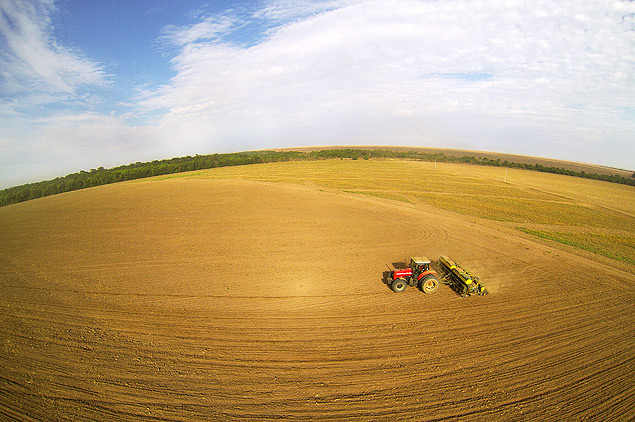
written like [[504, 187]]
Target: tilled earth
[[191, 300]]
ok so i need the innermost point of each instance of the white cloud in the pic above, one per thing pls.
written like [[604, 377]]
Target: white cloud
[[42, 83], [291, 10], [207, 30], [32, 62], [383, 71], [551, 78], [65, 143]]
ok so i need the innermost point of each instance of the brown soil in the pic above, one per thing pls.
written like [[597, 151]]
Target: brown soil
[[192, 300]]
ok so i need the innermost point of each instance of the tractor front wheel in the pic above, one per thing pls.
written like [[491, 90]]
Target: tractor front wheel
[[399, 285], [429, 284]]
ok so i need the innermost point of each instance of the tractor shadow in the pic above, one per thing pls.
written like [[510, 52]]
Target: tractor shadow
[[386, 279], [399, 265]]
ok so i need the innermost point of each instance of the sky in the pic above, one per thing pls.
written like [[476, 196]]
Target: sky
[[87, 84]]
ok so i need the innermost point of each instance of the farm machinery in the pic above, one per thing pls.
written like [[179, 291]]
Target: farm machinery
[[459, 279], [419, 273]]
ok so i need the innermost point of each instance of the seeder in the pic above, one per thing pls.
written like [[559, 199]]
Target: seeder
[[459, 279]]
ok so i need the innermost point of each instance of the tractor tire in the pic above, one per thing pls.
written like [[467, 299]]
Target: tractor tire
[[399, 285], [429, 284]]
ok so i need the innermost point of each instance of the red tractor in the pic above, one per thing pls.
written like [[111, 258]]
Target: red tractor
[[418, 274]]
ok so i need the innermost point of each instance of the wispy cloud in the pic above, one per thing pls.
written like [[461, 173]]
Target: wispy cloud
[[32, 62], [45, 89], [292, 10], [210, 29]]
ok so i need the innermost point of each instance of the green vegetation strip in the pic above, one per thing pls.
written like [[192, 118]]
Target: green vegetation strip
[[621, 248], [101, 176], [535, 211]]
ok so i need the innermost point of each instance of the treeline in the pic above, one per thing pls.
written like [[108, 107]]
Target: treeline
[[101, 176], [613, 178]]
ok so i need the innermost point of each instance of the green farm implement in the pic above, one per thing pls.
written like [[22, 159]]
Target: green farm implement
[[459, 279]]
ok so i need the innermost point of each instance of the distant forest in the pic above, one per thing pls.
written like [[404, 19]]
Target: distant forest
[[101, 176]]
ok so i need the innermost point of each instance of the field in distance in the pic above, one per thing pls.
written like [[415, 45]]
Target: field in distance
[[257, 293], [512, 158], [586, 214]]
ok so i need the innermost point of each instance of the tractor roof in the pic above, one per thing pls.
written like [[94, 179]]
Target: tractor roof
[[420, 260]]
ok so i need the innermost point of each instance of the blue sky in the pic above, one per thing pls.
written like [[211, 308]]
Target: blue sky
[[85, 83]]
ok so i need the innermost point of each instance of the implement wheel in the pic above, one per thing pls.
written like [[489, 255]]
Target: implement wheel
[[429, 284], [399, 285]]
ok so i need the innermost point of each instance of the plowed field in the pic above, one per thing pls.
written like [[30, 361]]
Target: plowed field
[[214, 297]]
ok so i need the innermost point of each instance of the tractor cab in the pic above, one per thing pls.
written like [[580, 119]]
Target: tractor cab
[[419, 264]]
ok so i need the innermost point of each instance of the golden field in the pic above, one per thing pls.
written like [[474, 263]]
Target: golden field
[[588, 214], [258, 293]]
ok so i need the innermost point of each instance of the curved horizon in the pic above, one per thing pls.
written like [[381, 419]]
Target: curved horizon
[[104, 84]]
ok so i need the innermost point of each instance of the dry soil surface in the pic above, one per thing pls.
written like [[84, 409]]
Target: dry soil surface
[[188, 300]]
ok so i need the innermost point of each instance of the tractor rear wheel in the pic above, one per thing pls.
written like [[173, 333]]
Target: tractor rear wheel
[[429, 284], [399, 285]]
